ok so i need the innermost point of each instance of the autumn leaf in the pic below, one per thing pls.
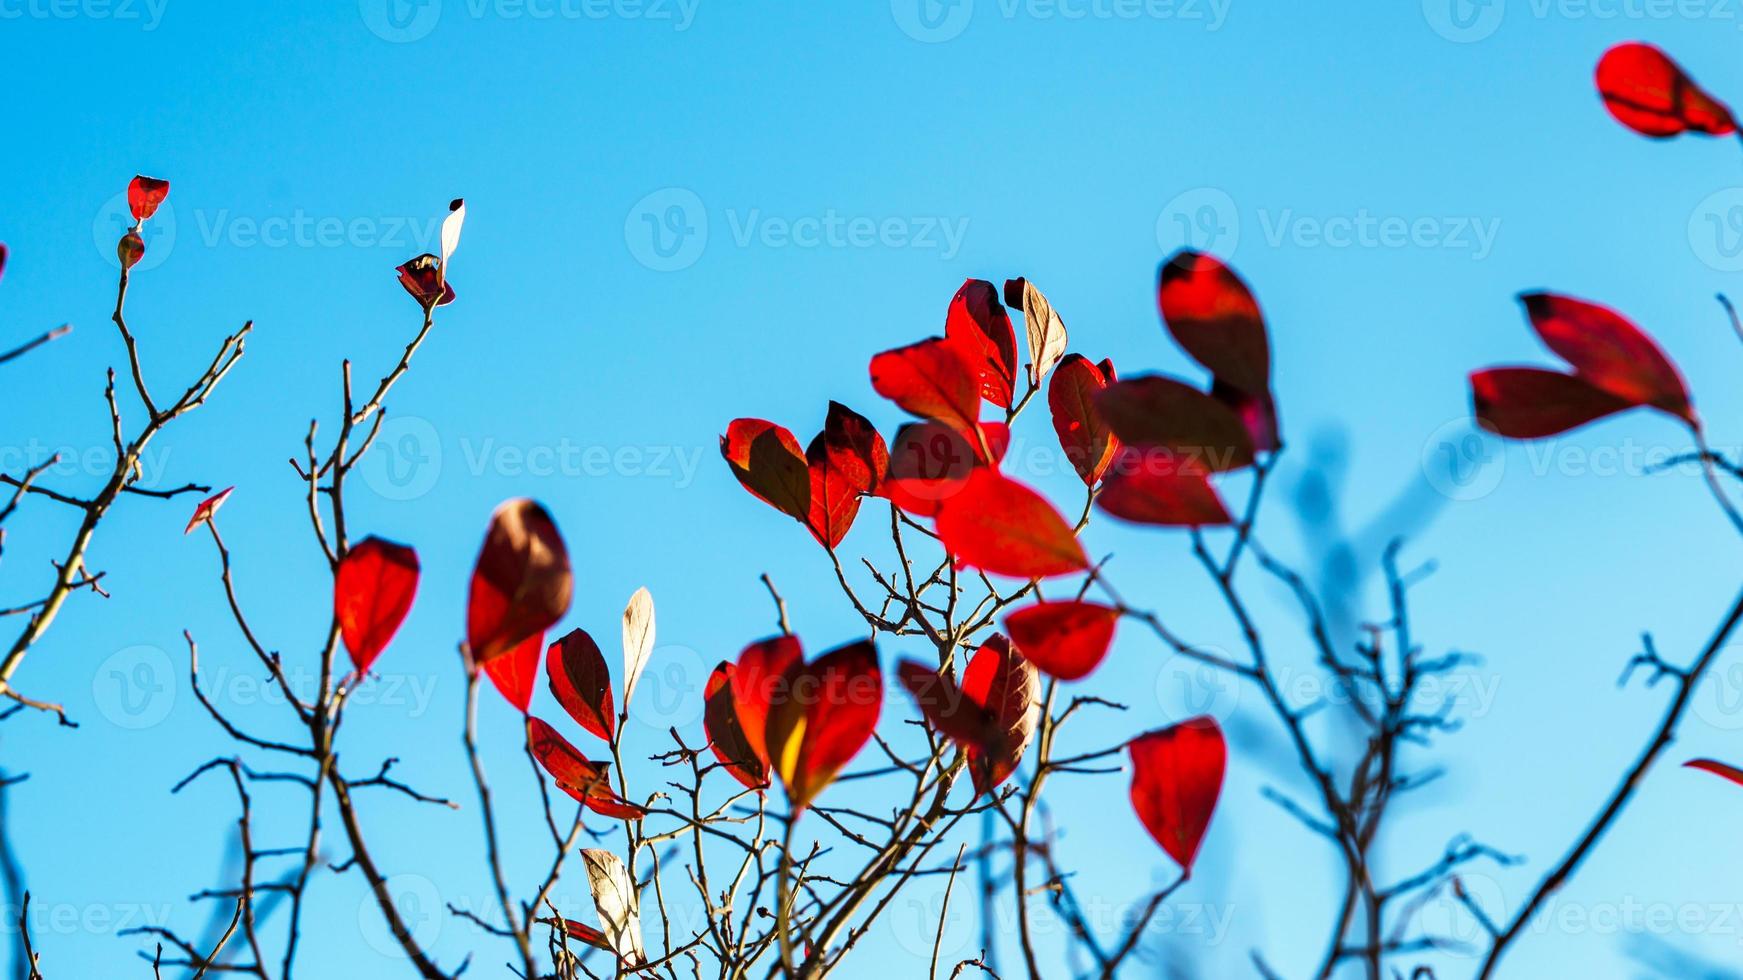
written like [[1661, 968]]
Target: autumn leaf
[[981, 329], [1649, 93], [1000, 526], [373, 588], [929, 379], [1044, 329], [638, 640], [1609, 352], [1088, 441], [1177, 775], [1158, 413], [726, 736], [207, 509], [581, 683], [929, 462], [616, 899], [144, 195], [1532, 403], [422, 277], [767, 461], [1066, 639], [822, 715], [515, 672], [1151, 487], [756, 680], [992, 715], [584, 780], [521, 582]]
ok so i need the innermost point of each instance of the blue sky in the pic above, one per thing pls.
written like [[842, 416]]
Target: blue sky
[[683, 211]]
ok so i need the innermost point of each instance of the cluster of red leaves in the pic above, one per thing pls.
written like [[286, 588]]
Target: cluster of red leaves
[[773, 712]]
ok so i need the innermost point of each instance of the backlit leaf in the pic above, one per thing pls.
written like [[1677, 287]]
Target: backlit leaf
[[929, 379], [1045, 330], [998, 525], [1177, 775], [767, 460], [1649, 93], [144, 195], [1154, 412], [521, 582], [615, 897], [638, 640], [978, 324], [1066, 639], [1088, 441], [372, 592], [822, 718], [581, 683]]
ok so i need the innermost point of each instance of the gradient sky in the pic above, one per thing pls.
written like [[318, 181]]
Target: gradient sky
[[683, 211]]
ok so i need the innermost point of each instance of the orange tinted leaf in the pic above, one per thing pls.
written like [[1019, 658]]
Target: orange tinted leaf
[[1065, 639], [978, 324], [521, 582], [822, 718], [726, 736], [1649, 93], [1177, 775], [998, 525], [372, 592], [581, 682], [1154, 412], [756, 680]]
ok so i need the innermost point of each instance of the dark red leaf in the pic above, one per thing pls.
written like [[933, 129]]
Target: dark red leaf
[[992, 715], [586, 781], [944, 705], [1177, 775], [1213, 316], [998, 525], [1154, 412], [1609, 352], [1065, 639], [1649, 93], [1088, 441], [582, 933], [854, 448], [768, 462], [1531, 403], [822, 718], [930, 380], [514, 673], [520, 584], [581, 683], [207, 508], [1717, 768], [1258, 413], [756, 681], [1151, 487], [3, 254], [726, 736], [422, 277], [372, 592], [930, 461], [144, 194], [981, 329]]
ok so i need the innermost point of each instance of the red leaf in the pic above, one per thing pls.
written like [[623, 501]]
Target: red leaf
[[582, 933], [3, 254], [1652, 95], [1258, 414], [372, 592], [768, 462], [1066, 639], [1213, 316], [422, 277], [978, 324], [1154, 412], [822, 718], [586, 781], [1177, 775], [144, 194], [1151, 487], [726, 736], [992, 715], [1088, 441], [207, 508], [1609, 352], [930, 380], [1717, 768], [998, 525], [1531, 403], [514, 673], [581, 683], [854, 448], [930, 461], [756, 681], [520, 584]]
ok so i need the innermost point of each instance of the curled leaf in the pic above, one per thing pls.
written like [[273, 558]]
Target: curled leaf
[[1177, 775], [130, 249], [451, 226], [585, 781], [423, 278], [1046, 332], [615, 898], [581, 683], [992, 715], [638, 640], [207, 509], [373, 589]]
